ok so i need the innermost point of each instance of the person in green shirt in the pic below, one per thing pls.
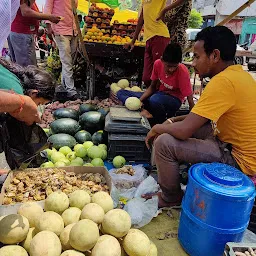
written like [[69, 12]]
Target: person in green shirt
[[30, 81], [81, 22]]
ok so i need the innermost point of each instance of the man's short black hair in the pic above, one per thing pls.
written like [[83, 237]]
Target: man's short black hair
[[220, 38], [172, 53]]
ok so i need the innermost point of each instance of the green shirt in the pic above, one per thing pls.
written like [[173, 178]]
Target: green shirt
[[10, 82], [82, 24]]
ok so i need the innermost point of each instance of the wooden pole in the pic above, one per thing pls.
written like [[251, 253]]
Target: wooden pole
[[79, 33], [230, 17]]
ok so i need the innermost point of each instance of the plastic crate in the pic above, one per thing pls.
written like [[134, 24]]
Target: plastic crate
[[131, 147], [231, 248]]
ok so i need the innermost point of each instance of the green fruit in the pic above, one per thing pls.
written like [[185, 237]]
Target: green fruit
[[66, 113], [78, 160], [88, 165], [103, 146], [86, 108], [87, 145], [81, 152], [77, 146], [83, 136], [92, 121], [61, 140], [60, 164], [47, 165], [97, 138], [57, 156], [76, 163], [104, 154], [97, 162], [66, 161], [119, 161], [104, 111], [65, 150], [94, 152], [71, 156], [65, 125], [49, 153]]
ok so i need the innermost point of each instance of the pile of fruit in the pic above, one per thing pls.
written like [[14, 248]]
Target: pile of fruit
[[100, 17], [74, 225], [123, 29], [37, 184]]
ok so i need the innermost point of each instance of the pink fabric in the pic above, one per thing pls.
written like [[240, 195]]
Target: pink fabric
[[62, 8], [253, 38], [178, 84]]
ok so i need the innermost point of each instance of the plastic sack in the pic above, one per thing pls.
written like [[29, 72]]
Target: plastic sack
[[20, 142], [125, 181], [149, 185]]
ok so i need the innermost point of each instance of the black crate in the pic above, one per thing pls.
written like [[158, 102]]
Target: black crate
[[231, 248], [131, 147]]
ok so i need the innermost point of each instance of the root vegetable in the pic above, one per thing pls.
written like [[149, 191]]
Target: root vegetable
[[104, 200], [64, 237], [71, 215]]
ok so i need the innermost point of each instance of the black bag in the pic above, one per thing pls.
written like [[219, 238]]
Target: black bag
[[20, 142]]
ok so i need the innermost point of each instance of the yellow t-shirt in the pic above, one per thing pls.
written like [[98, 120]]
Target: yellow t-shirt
[[151, 11], [229, 100]]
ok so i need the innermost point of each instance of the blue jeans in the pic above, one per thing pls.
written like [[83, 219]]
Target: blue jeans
[[160, 104]]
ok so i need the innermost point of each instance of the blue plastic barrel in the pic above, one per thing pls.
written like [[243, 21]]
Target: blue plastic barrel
[[215, 209]]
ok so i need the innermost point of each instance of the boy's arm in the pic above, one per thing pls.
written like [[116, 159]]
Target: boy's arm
[[191, 101], [150, 90], [168, 8]]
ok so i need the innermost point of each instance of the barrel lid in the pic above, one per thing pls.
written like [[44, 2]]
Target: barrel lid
[[222, 179]]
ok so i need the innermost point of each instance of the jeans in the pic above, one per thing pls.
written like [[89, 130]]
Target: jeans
[[22, 48], [160, 104], [67, 47]]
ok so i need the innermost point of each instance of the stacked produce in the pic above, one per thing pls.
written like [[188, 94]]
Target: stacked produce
[[72, 226], [37, 184], [100, 17], [48, 117]]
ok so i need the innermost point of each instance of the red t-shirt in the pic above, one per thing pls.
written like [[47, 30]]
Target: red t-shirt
[[178, 84], [25, 25]]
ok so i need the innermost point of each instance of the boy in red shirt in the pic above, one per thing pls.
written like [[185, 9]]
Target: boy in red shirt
[[169, 87]]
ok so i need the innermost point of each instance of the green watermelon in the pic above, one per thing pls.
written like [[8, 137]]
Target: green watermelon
[[98, 138], [61, 140], [66, 113], [83, 136], [104, 111], [65, 125], [92, 121], [86, 108]]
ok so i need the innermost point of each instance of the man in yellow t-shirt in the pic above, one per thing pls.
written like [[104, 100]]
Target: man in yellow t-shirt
[[156, 35], [228, 104]]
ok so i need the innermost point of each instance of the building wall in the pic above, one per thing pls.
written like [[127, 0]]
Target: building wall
[[248, 30]]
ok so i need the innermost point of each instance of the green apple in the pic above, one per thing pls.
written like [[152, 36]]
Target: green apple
[[65, 150], [77, 146], [71, 156], [60, 164], [97, 162], [103, 146], [87, 144], [78, 160], [57, 156], [66, 161], [81, 152], [47, 165], [104, 154]]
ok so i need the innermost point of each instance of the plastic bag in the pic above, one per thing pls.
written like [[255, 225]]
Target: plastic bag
[[125, 181], [20, 142]]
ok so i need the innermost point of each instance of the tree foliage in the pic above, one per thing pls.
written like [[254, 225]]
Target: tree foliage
[[195, 19]]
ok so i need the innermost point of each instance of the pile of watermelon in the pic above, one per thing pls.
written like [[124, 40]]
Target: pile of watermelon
[[78, 135]]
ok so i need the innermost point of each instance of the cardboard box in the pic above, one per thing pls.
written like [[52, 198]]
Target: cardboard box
[[10, 209]]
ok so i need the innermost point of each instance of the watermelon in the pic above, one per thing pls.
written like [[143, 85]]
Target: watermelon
[[66, 113], [104, 111], [65, 125], [92, 121], [61, 140], [98, 138], [83, 136], [86, 108]]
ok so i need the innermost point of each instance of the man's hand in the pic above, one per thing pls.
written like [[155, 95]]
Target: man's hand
[[162, 15], [151, 136], [129, 46], [55, 19], [29, 114]]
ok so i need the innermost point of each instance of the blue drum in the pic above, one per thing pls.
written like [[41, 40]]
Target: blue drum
[[215, 209]]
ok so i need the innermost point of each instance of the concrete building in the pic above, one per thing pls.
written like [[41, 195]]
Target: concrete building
[[214, 11]]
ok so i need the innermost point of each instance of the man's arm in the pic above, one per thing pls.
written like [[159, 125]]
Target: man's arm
[[150, 90], [137, 32], [26, 11], [182, 130], [170, 7]]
